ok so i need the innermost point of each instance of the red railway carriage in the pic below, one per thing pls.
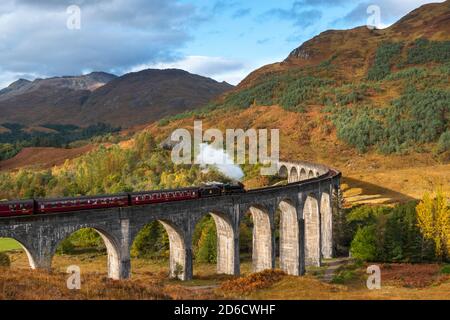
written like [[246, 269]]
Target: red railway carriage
[[149, 197], [16, 208], [81, 203]]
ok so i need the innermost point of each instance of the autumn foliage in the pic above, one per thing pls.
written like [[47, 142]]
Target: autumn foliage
[[433, 216], [252, 282]]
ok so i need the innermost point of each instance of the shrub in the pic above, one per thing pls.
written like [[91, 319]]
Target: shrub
[[445, 269], [65, 247], [343, 276], [424, 51], [299, 91], [261, 94], [384, 57], [388, 234], [86, 238], [151, 242], [252, 282], [360, 130], [364, 246], [444, 142], [4, 260], [207, 244], [409, 73], [417, 117]]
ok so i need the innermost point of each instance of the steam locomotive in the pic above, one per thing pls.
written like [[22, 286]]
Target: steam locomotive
[[43, 206]]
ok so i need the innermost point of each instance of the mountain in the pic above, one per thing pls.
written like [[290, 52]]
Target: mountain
[[352, 52], [360, 100], [88, 82], [129, 100], [148, 95], [373, 103]]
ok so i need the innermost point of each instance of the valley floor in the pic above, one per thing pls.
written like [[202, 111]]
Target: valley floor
[[149, 281]]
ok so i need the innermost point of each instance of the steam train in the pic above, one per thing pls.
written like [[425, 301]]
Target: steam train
[[45, 206]]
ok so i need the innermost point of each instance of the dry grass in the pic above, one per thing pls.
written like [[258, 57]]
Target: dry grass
[[413, 275], [251, 283], [149, 280], [393, 186], [399, 282], [309, 288], [371, 178], [42, 157], [37, 285]]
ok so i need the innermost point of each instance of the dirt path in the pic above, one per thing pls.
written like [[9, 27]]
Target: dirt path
[[332, 266]]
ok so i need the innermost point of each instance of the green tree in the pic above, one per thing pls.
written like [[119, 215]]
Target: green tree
[[364, 245], [207, 244], [433, 216]]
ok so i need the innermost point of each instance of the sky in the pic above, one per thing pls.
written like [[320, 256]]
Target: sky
[[221, 39]]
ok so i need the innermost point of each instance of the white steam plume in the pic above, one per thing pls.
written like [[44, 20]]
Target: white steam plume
[[219, 159]]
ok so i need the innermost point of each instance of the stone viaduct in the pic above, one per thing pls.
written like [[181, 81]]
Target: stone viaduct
[[304, 205]]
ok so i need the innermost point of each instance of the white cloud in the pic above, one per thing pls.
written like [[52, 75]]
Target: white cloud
[[390, 10], [218, 68], [6, 78], [114, 35]]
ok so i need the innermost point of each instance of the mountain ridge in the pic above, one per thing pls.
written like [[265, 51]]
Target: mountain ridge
[[131, 99], [356, 95], [431, 21]]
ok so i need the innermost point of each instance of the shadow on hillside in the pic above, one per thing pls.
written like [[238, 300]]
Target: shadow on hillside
[[362, 192]]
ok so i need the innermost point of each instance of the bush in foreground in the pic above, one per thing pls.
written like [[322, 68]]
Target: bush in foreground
[[4, 260], [252, 282]]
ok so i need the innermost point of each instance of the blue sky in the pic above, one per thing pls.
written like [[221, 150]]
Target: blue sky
[[222, 39]]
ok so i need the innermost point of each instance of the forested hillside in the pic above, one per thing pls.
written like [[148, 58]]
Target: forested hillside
[[373, 91], [114, 169]]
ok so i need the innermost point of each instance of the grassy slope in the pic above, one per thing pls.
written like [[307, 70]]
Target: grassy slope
[[42, 157], [370, 177]]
